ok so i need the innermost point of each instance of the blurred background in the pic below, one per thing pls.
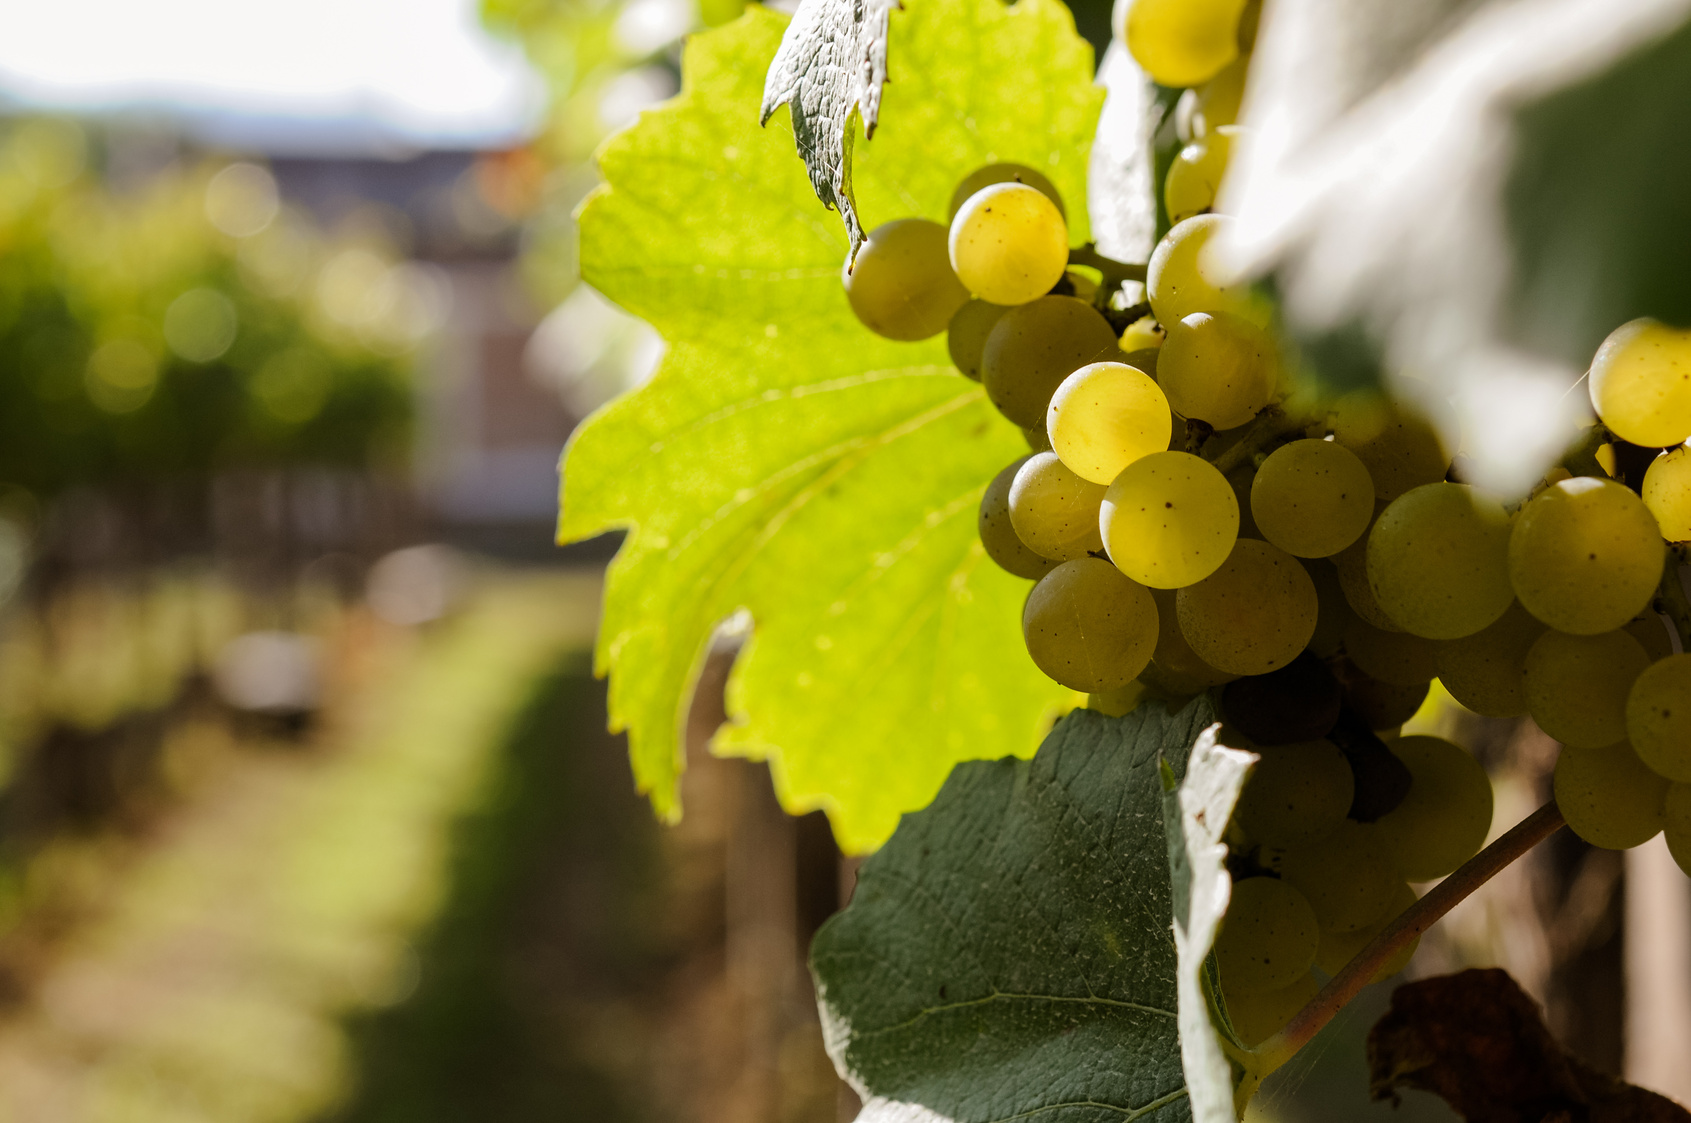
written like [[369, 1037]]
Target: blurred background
[[307, 807]]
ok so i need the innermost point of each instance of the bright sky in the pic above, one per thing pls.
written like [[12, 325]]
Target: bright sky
[[418, 71]]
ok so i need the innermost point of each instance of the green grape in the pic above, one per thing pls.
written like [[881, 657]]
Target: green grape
[[1297, 793], [1577, 686], [1312, 498], [998, 535], [1383, 705], [1487, 671], [1105, 416], [1438, 561], [1677, 824], [1055, 512], [1119, 702], [1182, 42], [1585, 555], [1346, 876], [901, 285], [1009, 243], [1037, 440], [1194, 179], [1256, 612], [1339, 948], [1352, 566], [1609, 797], [1651, 632], [1400, 449], [965, 338], [1395, 657], [1218, 100], [1143, 336], [1217, 368], [1332, 613], [1268, 937], [1667, 493], [1183, 276], [1443, 820], [1034, 347], [982, 178], [1259, 1015], [1088, 627], [1174, 665], [1640, 383], [1658, 717], [1170, 519]]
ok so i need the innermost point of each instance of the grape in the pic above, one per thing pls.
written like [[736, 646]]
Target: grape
[[1487, 671], [1339, 948], [998, 536], [1183, 277], [1119, 702], [982, 178], [1297, 793], [1395, 657], [1352, 565], [1009, 244], [1667, 493], [1034, 347], [966, 336], [1609, 797], [1170, 519], [1088, 627], [1194, 179], [1054, 511], [1037, 440], [1259, 1015], [1219, 99], [1346, 876], [1334, 612], [1443, 820], [1641, 383], [1177, 667], [1400, 449], [1585, 555], [1382, 705], [1142, 335], [1658, 717], [901, 284], [1105, 416], [1438, 561], [1183, 42], [1677, 818], [1577, 686], [1312, 498], [1652, 634], [1298, 702], [1268, 937], [1218, 368], [1256, 612]]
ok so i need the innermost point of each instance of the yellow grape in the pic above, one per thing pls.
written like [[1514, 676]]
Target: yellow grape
[[1037, 345], [1143, 336], [966, 336], [1333, 612], [1219, 99], [1577, 686], [1486, 671], [1677, 824], [1352, 565], [1444, 819], [1398, 658], [1054, 511], [1640, 383], [1169, 519], [1652, 634], [1438, 561], [1194, 178], [998, 536], [991, 174], [1609, 797], [1174, 664], [1119, 702], [1312, 498], [1217, 367], [1667, 493], [1346, 876], [1183, 42], [1183, 276], [1088, 627], [1585, 555], [1009, 243], [1259, 1015], [1037, 440], [1297, 793], [1255, 613], [1339, 948], [1105, 416], [1400, 448], [1658, 717], [901, 285], [1268, 937]]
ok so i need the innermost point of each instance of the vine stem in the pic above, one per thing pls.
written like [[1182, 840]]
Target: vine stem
[[1414, 920], [1271, 424], [1115, 272]]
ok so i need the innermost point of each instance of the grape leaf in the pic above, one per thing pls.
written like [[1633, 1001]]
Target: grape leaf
[[1007, 954], [787, 462]]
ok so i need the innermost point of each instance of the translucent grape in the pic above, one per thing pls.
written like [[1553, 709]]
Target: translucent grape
[[1177, 667], [1054, 511], [991, 174], [1183, 42], [1346, 876], [1143, 334], [1009, 243], [901, 285], [1577, 686], [1268, 937], [1169, 519], [1609, 797], [1677, 824], [1443, 820], [1400, 448], [966, 336], [1088, 627], [1658, 717], [1297, 793], [1352, 565], [1194, 178], [1183, 276], [998, 536], [1395, 657], [1034, 347], [1667, 493], [1487, 671], [1218, 368], [1259, 1015], [1333, 613], [1105, 416], [1339, 948], [1383, 705], [1438, 561], [1219, 99], [1641, 383], [1256, 612], [1585, 555], [1312, 498]]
